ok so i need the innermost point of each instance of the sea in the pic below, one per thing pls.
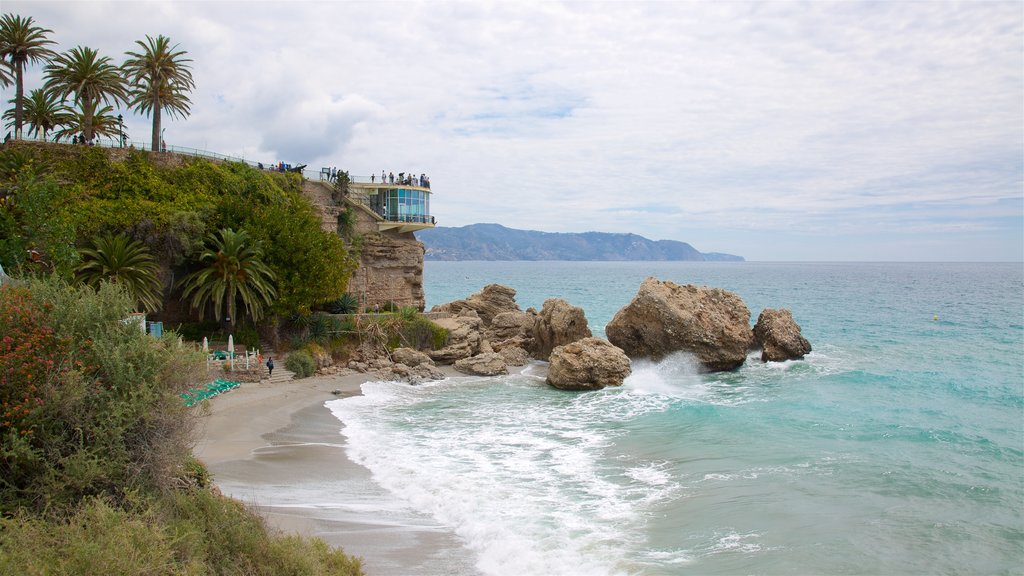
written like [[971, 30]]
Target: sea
[[895, 447]]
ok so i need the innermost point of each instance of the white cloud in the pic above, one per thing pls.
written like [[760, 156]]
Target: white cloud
[[693, 121]]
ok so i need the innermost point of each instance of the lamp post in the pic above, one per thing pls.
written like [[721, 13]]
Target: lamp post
[[120, 130]]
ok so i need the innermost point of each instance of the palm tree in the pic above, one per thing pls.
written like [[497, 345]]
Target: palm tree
[[160, 80], [125, 262], [22, 43], [104, 124], [90, 78], [6, 73], [42, 113], [234, 269]]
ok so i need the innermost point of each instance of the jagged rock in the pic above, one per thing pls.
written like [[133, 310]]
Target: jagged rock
[[463, 338], [358, 366], [513, 329], [588, 364], [483, 365], [778, 336], [514, 356], [489, 302], [664, 317], [410, 357], [558, 323], [428, 372], [485, 346]]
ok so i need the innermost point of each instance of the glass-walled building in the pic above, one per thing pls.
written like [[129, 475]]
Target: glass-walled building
[[400, 206]]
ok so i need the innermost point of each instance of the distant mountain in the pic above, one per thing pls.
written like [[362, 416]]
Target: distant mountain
[[496, 242]]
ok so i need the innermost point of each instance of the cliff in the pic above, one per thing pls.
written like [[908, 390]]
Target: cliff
[[390, 262], [496, 242]]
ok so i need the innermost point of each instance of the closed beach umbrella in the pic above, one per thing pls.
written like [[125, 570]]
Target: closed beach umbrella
[[206, 345], [231, 351]]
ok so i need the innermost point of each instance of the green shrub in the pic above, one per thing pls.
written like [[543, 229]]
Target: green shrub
[[190, 531], [91, 405], [347, 304], [301, 363]]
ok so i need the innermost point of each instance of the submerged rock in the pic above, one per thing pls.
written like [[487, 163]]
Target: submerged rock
[[557, 324], [588, 364], [779, 337], [664, 317]]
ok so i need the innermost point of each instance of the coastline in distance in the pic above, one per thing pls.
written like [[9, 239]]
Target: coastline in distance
[[496, 242]]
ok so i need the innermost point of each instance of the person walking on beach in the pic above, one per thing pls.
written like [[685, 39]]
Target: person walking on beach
[[270, 366]]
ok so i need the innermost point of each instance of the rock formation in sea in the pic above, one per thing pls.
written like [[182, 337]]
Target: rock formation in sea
[[779, 337], [558, 323], [664, 317], [487, 303], [464, 337], [587, 364], [483, 364]]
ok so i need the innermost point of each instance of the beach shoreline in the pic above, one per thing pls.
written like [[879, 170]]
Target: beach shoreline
[[279, 449]]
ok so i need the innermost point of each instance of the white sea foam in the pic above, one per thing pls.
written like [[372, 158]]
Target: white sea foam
[[526, 486]]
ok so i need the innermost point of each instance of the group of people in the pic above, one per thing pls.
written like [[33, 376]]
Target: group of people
[[403, 178]]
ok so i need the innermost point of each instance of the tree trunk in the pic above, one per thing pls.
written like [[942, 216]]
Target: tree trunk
[[19, 92], [157, 144], [87, 113]]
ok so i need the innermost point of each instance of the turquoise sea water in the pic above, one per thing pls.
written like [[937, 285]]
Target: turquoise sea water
[[896, 447]]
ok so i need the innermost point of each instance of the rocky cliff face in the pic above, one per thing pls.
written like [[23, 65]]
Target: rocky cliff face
[[390, 262]]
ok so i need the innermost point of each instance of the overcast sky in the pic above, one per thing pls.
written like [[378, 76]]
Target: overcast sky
[[771, 130]]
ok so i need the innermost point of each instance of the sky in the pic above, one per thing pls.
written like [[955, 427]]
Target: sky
[[777, 131]]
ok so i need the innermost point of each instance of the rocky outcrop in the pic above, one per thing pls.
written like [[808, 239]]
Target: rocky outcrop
[[384, 369], [664, 317], [463, 337], [487, 364], [488, 303], [778, 336], [515, 356], [587, 364], [410, 357], [511, 329], [558, 323]]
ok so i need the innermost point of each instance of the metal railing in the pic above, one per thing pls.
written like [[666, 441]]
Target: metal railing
[[312, 174]]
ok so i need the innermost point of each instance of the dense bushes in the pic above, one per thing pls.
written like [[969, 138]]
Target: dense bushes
[[96, 476], [90, 404], [56, 197], [301, 363], [187, 532]]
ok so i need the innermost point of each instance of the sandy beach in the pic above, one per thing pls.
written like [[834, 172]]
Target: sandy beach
[[280, 450]]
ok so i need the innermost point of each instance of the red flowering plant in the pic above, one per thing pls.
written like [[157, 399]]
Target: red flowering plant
[[31, 357]]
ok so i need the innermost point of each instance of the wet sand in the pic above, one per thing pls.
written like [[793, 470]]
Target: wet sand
[[280, 450]]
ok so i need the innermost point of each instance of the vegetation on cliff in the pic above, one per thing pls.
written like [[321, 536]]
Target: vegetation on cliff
[[55, 199], [96, 475]]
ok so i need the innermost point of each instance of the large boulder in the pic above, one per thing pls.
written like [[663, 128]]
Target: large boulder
[[587, 364], [410, 357], [664, 317], [778, 336], [558, 323], [512, 328], [488, 303], [515, 356], [463, 337], [487, 364]]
